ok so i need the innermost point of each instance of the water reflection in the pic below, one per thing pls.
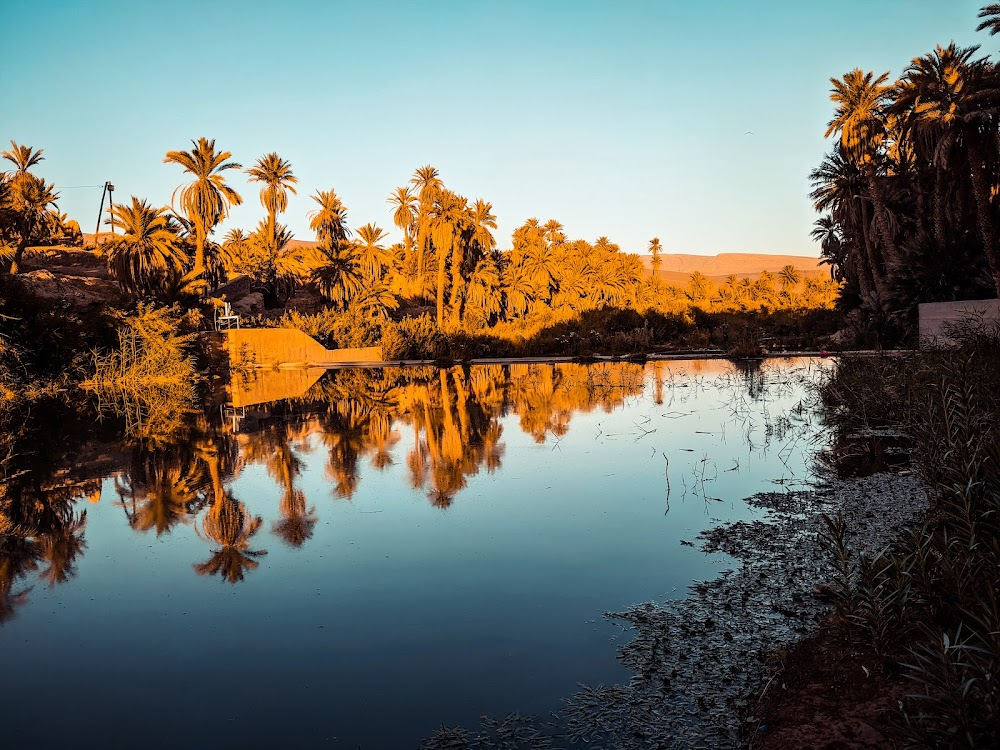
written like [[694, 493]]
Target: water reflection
[[495, 510], [454, 419]]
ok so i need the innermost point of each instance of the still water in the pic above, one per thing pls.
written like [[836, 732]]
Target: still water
[[383, 553]]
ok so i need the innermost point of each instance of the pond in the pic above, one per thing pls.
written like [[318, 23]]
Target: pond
[[384, 552]]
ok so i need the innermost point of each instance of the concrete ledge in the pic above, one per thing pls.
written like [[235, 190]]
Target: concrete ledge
[[939, 319], [288, 347]]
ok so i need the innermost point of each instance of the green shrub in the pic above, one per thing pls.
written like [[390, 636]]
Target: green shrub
[[413, 338]]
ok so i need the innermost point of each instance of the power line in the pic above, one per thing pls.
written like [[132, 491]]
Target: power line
[[76, 187]]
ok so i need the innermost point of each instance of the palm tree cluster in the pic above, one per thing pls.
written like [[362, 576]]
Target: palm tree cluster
[[28, 213], [909, 189], [182, 477], [448, 256]]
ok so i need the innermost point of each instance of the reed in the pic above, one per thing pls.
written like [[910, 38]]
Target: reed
[[927, 605], [150, 379]]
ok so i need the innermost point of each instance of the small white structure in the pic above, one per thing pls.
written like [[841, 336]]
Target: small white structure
[[939, 320], [225, 318]]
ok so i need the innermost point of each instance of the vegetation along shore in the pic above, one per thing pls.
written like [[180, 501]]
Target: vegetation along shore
[[861, 610]]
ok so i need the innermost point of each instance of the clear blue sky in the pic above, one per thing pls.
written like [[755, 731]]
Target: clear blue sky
[[627, 119]]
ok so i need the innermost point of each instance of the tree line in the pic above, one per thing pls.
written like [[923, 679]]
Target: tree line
[[908, 191], [448, 257]]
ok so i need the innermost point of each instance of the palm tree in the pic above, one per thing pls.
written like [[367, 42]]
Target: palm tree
[[478, 237], [603, 244], [519, 288], [953, 106], [428, 183], [446, 228], [553, 233], [29, 201], [485, 295], [275, 265], [372, 256], [376, 299], [840, 187], [483, 220], [699, 286], [276, 175], [338, 277], [404, 217], [789, 277], [860, 120], [991, 19], [655, 249], [329, 221], [147, 255], [207, 199], [22, 157], [230, 525]]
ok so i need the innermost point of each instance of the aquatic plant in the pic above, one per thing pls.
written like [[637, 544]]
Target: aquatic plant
[[150, 378], [927, 604]]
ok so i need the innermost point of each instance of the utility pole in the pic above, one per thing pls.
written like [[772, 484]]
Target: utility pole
[[108, 190]]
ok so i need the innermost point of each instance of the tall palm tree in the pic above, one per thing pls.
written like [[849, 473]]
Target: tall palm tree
[[205, 200], [656, 249], [475, 243], [278, 181], [147, 255], [329, 221], [483, 221], [447, 225], [950, 103], [839, 186], [404, 217], [860, 119], [428, 183]]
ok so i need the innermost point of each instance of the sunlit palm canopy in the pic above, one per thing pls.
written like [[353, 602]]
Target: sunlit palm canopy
[[329, 221], [147, 253], [205, 200], [859, 117], [23, 157], [276, 175]]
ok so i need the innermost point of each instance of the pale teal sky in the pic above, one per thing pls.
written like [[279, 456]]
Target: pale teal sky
[[627, 119]]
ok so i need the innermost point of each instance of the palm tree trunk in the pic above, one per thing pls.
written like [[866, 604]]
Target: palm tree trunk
[[981, 187], [199, 250], [869, 261], [940, 212], [882, 224], [456, 281], [15, 264], [440, 289]]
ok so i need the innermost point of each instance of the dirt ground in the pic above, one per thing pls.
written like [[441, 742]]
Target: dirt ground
[[70, 278], [827, 694]]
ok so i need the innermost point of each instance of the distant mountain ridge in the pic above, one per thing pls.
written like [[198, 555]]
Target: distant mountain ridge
[[724, 264]]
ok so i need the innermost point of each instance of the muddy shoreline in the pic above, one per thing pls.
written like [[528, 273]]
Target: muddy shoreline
[[701, 665]]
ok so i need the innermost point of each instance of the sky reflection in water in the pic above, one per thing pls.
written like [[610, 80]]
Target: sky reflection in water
[[406, 548]]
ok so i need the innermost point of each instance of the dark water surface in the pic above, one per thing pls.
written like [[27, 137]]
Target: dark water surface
[[391, 551]]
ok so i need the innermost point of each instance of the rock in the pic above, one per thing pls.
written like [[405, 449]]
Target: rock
[[252, 304], [823, 591]]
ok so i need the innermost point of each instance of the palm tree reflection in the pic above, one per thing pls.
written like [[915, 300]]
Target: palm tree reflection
[[230, 525]]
